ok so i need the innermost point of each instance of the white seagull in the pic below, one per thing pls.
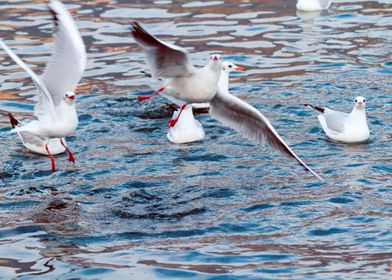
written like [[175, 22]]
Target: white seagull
[[188, 129], [185, 83], [191, 85], [343, 127], [55, 109], [313, 5]]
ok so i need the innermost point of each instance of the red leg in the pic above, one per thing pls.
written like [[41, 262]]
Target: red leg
[[173, 121], [71, 157], [146, 97], [51, 158]]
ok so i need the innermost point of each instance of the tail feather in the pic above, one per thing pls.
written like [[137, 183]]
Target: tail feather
[[14, 122], [322, 110]]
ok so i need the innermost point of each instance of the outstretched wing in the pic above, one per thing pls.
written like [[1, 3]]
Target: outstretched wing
[[68, 61], [246, 119], [45, 97], [165, 60]]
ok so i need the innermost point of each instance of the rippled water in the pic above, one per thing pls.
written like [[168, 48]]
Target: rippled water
[[136, 206]]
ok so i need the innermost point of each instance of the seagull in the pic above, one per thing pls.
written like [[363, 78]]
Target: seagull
[[185, 83], [188, 129], [55, 110], [191, 85], [313, 5], [344, 127]]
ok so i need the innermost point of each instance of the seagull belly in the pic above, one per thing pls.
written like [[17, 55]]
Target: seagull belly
[[308, 5], [193, 90], [57, 129]]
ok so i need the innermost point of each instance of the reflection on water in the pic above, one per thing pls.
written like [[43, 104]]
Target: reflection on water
[[136, 206]]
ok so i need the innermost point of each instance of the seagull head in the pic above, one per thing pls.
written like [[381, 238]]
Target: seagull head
[[215, 63], [215, 57], [360, 102], [69, 97], [228, 67]]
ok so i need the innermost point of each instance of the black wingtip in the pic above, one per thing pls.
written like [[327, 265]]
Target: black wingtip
[[54, 16], [136, 26], [146, 74], [14, 122], [322, 110]]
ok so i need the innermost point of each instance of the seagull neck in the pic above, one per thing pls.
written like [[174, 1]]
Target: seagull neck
[[224, 80], [66, 111], [215, 66], [358, 112]]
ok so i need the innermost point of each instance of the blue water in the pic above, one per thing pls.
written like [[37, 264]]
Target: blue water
[[135, 206]]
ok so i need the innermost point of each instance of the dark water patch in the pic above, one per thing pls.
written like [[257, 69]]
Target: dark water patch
[[139, 185], [9, 169], [341, 200], [175, 273], [220, 193], [327, 232], [209, 157], [159, 216], [18, 204], [39, 173], [19, 230], [259, 207], [85, 118], [163, 111], [141, 196], [296, 203], [382, 168]]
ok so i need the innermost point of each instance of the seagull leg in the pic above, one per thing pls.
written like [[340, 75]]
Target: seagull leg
[[173, 121], [146, 97], [51, 158], [71, 157]]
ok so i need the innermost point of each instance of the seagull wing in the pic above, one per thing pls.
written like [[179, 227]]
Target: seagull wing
[[246, 119], [45, 97], [335, 120], [165, 60], [68, 61]]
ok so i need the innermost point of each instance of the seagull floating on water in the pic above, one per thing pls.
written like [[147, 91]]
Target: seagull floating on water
[[191, 85], [313, 5], [55, 109], [188, 129], [343, 127]]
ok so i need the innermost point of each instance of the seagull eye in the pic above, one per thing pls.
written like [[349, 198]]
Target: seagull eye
[[230, 66], [364, 100], [356, 100]]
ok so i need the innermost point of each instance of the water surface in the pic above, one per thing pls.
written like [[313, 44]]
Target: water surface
[[136, 206]]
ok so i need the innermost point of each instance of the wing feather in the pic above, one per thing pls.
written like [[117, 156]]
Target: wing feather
[[335, 120], [68, 61], [45, 97], [165, 60], [244, 118]]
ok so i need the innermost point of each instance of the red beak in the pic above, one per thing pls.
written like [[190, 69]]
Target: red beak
[[215, 58], [239, 68], [71, 97]]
